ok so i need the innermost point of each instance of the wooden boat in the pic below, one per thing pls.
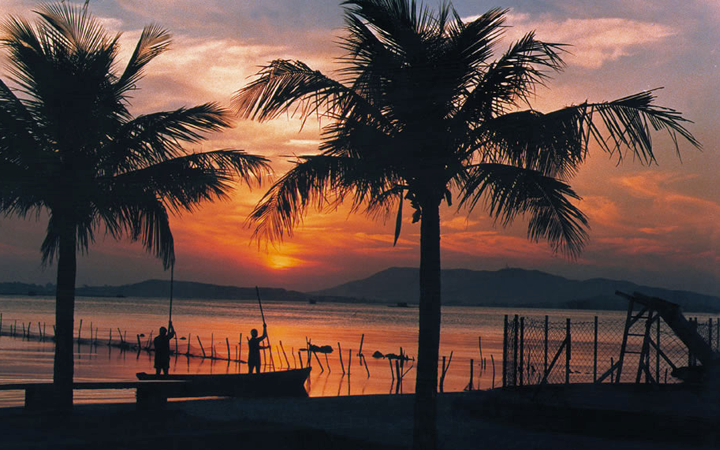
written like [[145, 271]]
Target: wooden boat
[[286, 383]]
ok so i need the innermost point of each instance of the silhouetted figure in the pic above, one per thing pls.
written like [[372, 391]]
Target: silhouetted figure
[[254, 349], [162, 349]]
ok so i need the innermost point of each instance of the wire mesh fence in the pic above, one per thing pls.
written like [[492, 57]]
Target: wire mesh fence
[[555, 351]]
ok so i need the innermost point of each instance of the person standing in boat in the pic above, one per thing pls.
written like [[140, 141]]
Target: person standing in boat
[[162, 349], [254, 349]]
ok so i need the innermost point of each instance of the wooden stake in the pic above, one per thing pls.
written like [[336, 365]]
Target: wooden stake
[[227, 342], [285, 355], [342, 366], [322, 369], [240, 348], [201, 346], [349, 362], [492, 361], [470, 384], [480, 347]]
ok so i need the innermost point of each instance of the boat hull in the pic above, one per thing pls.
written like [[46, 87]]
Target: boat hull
[[287, 383]]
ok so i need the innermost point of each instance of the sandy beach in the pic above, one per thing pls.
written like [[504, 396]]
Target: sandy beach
[[466, 421]]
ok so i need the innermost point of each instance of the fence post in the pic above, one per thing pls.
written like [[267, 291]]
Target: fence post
[[505, 344], [595, 351], [657, 351], [516, 332], [547, 331], [522, 350], [567, 351], [710, 332]]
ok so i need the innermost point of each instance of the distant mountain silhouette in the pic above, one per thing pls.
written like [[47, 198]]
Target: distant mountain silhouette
[[161, 289], [512, 287], [462, 287]]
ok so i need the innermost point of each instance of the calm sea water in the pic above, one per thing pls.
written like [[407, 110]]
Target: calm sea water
[[223, 324]]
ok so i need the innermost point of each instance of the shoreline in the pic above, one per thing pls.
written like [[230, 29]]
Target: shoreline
[[469, 420]]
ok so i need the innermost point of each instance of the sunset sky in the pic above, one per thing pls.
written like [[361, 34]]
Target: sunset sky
[[656, 225]]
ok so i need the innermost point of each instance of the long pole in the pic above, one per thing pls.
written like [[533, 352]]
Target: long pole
[[172, 276], [257, 292]]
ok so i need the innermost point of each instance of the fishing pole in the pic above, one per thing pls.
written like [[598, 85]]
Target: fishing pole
[[257, 293], [172, 276]]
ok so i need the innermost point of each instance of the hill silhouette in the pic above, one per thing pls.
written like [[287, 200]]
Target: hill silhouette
[[512, 287], [460, 287]]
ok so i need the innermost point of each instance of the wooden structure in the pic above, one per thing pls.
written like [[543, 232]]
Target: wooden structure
[[644, 316]]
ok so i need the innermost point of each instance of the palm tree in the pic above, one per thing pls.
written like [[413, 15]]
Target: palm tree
[[70, 147], [422, 113]]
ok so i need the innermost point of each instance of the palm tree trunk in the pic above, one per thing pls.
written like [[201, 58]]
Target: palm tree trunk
[[424, 426], [64, 319]]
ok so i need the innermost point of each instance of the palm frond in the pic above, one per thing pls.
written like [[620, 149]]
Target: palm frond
[[512, 78], [322, 182], [154, 138], [552, 143], [509, 191], [282, 84], [153, 41], [627, 123], [182, 183], [74, 26]]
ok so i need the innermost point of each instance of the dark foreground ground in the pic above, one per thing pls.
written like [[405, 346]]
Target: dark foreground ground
[[585, 418]]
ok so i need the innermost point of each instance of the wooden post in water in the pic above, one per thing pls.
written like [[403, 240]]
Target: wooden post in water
[[470, 384], [398, 387], [342, 366], [240, 348], [80, 332], [442, 374], [110, 337], [349, 361], [201, 346], [492, 361], [187, 353], [287, 361], [322, 369], [480, 347], [292, 352], [300, 358], [227, 342]]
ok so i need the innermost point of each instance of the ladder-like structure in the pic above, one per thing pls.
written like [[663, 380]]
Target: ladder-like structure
[[639, 324]]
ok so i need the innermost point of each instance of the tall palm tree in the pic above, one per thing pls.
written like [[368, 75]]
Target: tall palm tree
[[70, 146], [422, 113]]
